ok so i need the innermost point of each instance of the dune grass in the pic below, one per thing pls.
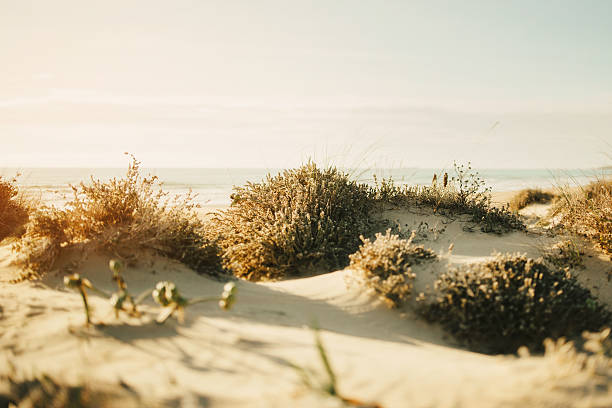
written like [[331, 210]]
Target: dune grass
[[14, 208], [121, 217], [300, 220], [512, 301], [310, 218], [530, 196], [464, 193], [588, 211], [383, 265]]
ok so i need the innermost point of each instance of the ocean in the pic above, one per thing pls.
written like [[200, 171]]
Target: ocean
[[214, 186]]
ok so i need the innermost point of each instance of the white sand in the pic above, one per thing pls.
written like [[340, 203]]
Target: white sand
[[243, 357]]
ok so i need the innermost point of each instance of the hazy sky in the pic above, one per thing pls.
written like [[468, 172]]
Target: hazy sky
[[270, 83]]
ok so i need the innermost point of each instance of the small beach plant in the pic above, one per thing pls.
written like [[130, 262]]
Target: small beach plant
[[384, 265], [122, 300], [165, 294], [172, 302], [75, 281]]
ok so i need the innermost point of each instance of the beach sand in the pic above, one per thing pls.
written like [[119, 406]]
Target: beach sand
[[245, 357]]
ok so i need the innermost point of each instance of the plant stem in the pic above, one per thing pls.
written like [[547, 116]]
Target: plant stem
[[202, 300], [84, 296]]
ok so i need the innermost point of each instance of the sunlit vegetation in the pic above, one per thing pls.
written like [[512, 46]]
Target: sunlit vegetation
[[530, 196], [14, 209], [512, 301], [300, 220], [588, 211], [384, 265], [464, 193], [122, 217], [165, 294]]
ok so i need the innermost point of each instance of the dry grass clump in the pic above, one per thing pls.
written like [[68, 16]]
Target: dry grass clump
[[499, 305], [588, 212], [301, 219], [464, 193], [530, 196], [120, 216], [384, 266], [14, 208]]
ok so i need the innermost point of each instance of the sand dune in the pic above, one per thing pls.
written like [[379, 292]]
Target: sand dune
[[244, 357]]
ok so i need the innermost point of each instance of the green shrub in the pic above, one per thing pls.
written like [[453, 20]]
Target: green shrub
[[384, 266], [120, 217], [588, 212], [14, 209], [529, 196], [510, 301], [301, 219]]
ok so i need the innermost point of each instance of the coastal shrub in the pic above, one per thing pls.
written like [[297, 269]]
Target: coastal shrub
[[510, 301], [299, 220], [530, 196], [588, 212], [120, 216], [14, 208], [464, 193], [383, 265]]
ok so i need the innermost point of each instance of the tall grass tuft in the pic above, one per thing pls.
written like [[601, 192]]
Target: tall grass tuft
[[14, 209], [120, 217], [588, 212], [301, 219]]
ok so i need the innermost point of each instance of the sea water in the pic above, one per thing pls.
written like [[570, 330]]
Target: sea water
[[214, 186]]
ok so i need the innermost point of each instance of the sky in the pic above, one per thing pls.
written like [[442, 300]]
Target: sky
[[503, 84]]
